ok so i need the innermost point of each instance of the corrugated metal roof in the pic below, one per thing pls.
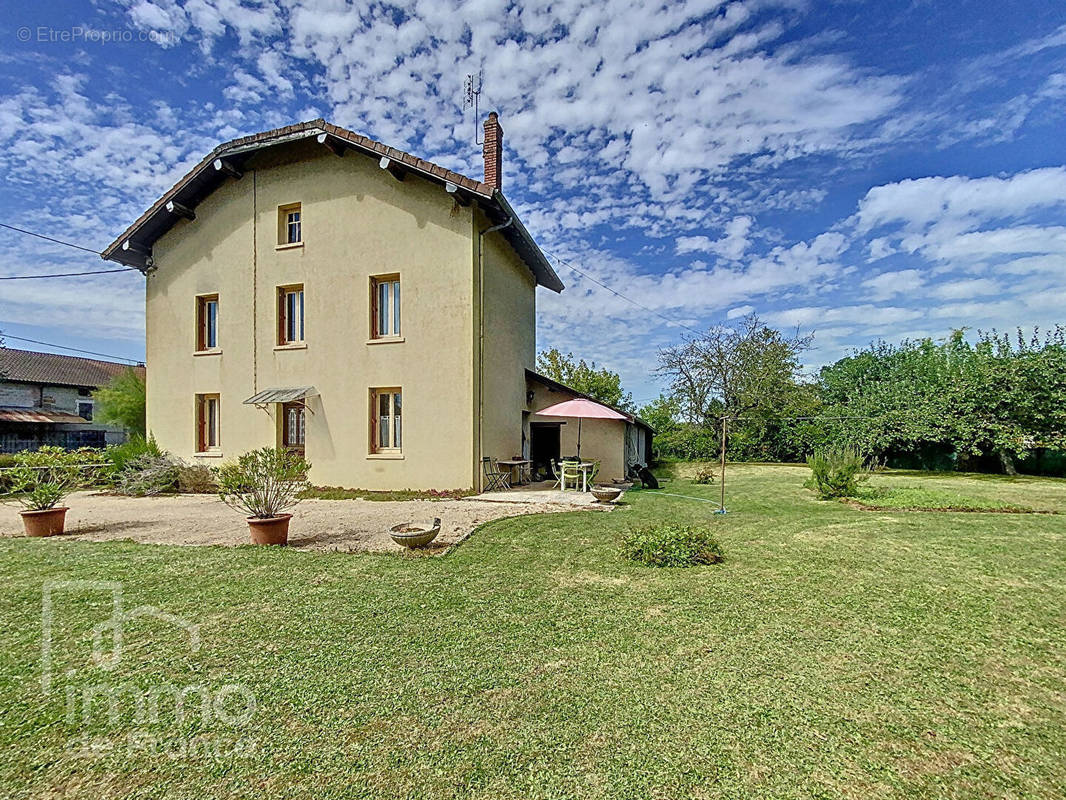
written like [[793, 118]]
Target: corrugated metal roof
[[281, 395], [28, 366], [38, 415]]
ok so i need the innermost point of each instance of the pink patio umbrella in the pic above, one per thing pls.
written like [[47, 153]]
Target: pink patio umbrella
[[582, 409]]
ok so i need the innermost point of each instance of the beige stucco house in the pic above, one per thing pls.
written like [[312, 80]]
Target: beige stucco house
[[311, 288]]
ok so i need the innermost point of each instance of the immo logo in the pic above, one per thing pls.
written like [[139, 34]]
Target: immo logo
[[158, 712]]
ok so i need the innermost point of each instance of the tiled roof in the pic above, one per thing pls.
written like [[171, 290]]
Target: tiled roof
[[27, 366], [205, 177], [554, 385]]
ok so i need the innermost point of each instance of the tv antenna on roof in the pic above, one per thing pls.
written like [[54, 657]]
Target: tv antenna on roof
[[471, 95]]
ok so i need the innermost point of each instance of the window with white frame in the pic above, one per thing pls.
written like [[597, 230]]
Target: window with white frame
[[207, 422], [385, 306], [290, 224], [386, 434], [290, 314], [207, 322]]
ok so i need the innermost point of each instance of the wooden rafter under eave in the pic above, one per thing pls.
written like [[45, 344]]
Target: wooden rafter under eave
[[331, 143], [395, 170]]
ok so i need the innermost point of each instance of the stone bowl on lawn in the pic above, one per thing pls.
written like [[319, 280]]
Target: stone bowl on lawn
[[415, 534], [606, 494]]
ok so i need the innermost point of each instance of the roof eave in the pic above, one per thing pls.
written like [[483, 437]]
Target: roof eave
[[541, 267], [552, 383]]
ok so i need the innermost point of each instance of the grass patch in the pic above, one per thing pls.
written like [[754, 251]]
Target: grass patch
[[920, 498], [835, 654], [338, 493]]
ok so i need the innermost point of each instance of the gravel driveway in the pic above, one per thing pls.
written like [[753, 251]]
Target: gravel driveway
[[343, 525]]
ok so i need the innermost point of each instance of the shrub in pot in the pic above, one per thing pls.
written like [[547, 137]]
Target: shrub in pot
[[39, 482], [264, 484]]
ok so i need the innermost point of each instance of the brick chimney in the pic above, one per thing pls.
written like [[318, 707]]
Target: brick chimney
[[493, 152]]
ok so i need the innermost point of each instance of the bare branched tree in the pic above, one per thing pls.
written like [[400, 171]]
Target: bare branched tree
[[738, 370]]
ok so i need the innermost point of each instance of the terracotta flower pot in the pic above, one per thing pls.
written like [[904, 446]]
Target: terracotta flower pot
[[272, 530], [44, 523]]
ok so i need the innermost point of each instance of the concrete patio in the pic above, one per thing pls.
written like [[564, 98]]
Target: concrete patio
[[543, 493]]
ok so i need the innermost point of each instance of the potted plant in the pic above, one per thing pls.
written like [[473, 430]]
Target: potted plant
[[40, 481], [263, 484]]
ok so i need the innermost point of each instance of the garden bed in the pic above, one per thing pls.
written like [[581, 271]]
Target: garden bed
[[915, 498]]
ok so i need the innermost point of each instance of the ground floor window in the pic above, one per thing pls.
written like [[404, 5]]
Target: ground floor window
[[293, 426], [386, 434], [207, 422]]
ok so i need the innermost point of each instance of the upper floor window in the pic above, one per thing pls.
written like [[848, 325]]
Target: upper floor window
[[291, 314], [290, 224], [207, 322], [385, 306], [85, 410]]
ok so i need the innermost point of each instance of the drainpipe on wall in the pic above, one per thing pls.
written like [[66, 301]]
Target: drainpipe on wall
[[481, 342]]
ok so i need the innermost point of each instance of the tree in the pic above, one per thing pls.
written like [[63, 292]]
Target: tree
[[746, 372], [600, 384], [1000, 397], [122, 402]]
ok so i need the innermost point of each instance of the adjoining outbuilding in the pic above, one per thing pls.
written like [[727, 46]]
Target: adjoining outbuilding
[[47, 399], [617, 443]]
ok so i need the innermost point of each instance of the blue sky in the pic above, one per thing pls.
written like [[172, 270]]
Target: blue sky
[[855, 169]]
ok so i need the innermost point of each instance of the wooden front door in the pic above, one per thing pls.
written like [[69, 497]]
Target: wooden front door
[[293, 426]]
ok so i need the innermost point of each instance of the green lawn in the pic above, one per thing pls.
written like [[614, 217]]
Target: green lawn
[[835, 653]]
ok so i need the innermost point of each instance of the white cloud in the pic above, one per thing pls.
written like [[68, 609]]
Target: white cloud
[[961, 201], [731, 246], [890, 284], [739, 311]]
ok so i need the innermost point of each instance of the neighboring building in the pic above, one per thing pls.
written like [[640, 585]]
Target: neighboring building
[[314, 289], [47, 399]]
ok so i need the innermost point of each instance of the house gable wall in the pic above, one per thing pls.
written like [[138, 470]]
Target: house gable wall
[[358, 221]]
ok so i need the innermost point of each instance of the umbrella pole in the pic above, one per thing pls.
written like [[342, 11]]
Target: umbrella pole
[[579, 438]]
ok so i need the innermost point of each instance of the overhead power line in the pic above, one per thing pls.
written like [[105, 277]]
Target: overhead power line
[[53, 240], [50, 239], [63, 274], [72, 349], [615, 292]]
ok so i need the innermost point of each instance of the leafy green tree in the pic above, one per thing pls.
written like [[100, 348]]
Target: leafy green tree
[[122, 402], [747, 372], [1002, 396], [598, 383]]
